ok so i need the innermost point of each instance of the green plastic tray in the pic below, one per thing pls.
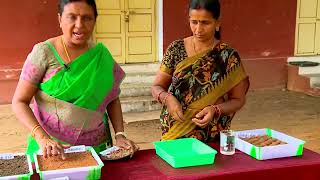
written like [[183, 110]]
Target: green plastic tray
[[185, 152]]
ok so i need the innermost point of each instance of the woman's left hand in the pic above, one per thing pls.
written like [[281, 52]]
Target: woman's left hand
[[203, 118], [123, 142]]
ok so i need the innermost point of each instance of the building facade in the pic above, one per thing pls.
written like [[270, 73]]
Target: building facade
[[265, 33]]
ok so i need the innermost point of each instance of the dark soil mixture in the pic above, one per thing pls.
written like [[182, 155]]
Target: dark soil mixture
[[16, 166]]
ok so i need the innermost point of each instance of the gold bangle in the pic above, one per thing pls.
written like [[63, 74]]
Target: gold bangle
[[34, 130]]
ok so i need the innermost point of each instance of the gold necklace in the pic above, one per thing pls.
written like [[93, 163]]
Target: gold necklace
[[194, 45], [65, 49]]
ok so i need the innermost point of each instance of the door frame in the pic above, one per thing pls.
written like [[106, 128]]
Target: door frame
[[159, 29]]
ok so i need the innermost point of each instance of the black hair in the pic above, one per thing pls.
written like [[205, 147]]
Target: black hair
[[91, 3], [213, 6]]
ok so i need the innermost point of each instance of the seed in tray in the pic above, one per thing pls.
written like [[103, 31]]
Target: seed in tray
[[263, 140]]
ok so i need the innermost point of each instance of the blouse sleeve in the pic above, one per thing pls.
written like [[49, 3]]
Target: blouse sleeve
[[168, 62], [35, 65]]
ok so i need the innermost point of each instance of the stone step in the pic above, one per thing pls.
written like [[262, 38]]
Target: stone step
[[311, 72], [131, 117], [135, 89], [316, 86], [139, 77], [307, 71], [315, 82], [141, 67], [139, 104]]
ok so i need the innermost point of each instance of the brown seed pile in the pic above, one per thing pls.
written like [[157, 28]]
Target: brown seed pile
[[73, 160], [118, 154]]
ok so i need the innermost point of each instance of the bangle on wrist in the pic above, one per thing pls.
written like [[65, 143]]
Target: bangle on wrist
[[165, 98], [158, 97], [34, 129], [121, 133], [217, 110]]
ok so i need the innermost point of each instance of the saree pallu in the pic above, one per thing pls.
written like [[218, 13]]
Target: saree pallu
[[197, 82], [71, 105]]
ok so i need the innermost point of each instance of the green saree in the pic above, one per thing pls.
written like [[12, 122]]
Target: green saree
[[70, 106]]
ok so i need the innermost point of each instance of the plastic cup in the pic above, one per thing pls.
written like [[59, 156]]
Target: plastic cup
[[227, 142]]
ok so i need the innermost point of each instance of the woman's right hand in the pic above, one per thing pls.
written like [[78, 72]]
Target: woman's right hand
[[174, 108], [51, 147]]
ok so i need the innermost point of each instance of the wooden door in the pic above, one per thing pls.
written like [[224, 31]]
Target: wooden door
[[308, 28], [140, 36], [110, 29], [127, 28]]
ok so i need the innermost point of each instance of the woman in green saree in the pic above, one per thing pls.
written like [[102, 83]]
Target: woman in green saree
[[73, 82], [201, 82]]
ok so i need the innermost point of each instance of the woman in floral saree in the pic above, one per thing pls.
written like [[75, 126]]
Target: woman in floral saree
[[73, 82], [201, 82]]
